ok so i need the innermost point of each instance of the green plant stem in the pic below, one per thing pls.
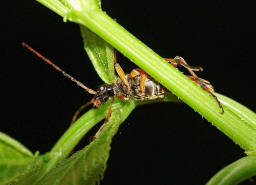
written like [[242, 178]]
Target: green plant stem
[[245, 113], [236, 172], [56, 6], [100, 23]]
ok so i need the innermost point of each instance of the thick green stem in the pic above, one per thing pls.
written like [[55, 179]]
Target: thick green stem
[[100, 23], [56, 6], [243, 112]]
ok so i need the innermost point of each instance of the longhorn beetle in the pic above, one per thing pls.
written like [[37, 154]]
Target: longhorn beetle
[[137, 85]]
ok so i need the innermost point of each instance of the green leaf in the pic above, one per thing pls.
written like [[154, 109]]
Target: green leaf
[[84, 167], [14, 158], [100, 53], [88, 165], [32, 173]]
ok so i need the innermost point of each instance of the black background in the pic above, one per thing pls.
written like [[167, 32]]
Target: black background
[[159, 143]]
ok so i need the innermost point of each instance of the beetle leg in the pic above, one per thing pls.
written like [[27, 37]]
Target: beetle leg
[[134, 73], [180, 61], [74, 118], [120, 71], [106, 120], [143, 77], [205, 85]]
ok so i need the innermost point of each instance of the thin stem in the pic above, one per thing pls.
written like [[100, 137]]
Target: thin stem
[[236, 172], [14, 144], [74, 134]]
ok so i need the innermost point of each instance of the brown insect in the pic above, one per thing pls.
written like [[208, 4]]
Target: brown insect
[[137, 85]]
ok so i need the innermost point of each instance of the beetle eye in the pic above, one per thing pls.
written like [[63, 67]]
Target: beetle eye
[[102, 88]]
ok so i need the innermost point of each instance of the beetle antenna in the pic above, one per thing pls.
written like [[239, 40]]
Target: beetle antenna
[[58, 68]]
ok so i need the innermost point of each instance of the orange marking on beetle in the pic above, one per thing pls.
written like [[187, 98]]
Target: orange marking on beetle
[[122, 75]]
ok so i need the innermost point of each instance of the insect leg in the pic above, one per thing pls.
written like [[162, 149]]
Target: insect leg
[[120, 71], [143, 77], [106, 120], [205, 85], [180, 61], [74, 118]]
